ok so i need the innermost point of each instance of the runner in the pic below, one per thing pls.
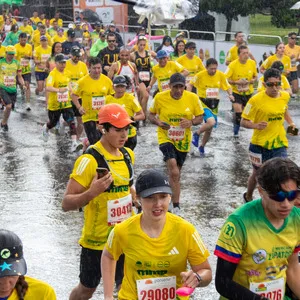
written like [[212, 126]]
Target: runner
[[70, 42], [75, 70], [56, 49], [112, 29], [96, 32], [35, 18], [57, 19], [166, 45], [92, 89], [12, 37], [36, 39], [208, 83], [293, 52], [164, 70], [13, 282], [8, 83], [157, 246], [101, 196], [26, 28], [59, 102], [132, 106], [98, 45], [178, 51], [265, 113], [241, 74], [258, 245], [2, 49], [126, 68], [279, 55], [109, 54], [24, 55], [52, 31], [59, 36], [41, 54], [174, 112]]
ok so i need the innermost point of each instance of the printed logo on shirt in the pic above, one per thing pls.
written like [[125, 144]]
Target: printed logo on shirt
[[229, 230], [259, 256], [174, 251]]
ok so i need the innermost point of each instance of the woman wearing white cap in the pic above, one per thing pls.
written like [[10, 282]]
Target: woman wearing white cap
[[157, 246]]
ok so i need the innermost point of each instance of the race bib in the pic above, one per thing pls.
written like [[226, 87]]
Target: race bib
[[273, 290], [212, 93], [243, 88], [24, 62], [165, 85], [176, 133], [44, 57], [144, 75], [9, 80], [255, 158], [63, 97], [160, 288], [119, 210], [97, 102]]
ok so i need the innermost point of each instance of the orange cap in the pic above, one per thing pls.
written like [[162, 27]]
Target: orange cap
[[114, 114]]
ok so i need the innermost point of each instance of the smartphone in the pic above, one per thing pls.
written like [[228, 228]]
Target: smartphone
[[101, 172], [292, 130]]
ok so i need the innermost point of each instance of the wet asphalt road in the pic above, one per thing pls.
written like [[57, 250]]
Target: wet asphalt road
[[33, 177]]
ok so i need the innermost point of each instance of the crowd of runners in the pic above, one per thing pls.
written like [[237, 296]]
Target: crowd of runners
[[134, 236]]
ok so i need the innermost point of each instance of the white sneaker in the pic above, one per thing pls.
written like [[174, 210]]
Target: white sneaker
[[45, 133], [176, 211], [76, 146]]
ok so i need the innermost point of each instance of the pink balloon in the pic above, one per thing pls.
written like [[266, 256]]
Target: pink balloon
[[184, 291]]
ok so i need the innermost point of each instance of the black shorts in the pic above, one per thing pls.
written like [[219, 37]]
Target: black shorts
[[292, 76], [169, 151], [27, 77], [92, 132], [145, 82], [41, 76], [75, 110], [131, 142], [241, 99], [54, 116], [90, 270], [8, 98]]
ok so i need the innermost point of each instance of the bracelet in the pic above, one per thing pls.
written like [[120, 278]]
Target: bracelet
[[199, 278]]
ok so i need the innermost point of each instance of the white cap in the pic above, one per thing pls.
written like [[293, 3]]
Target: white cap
[[71, 26]]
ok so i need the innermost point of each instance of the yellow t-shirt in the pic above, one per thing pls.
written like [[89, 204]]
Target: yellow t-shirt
[[172, 111], [75, 72], [163, 74], [8, 75], [193, 65], [20, 53], [56, 100], [209, 86], [292, 51], [236, 71], [36, 39], [164, 256], [2, 51], [1, 21], [59, 39], [35, 20], [130, 103], [37, 289], [99, 211], [27, 29], [232, 54], [92, 92], [285, 60], [42, 55], [260, 108], [59, 22], [284, 84]]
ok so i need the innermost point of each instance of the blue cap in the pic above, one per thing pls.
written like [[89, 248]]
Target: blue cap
[[161, 54]]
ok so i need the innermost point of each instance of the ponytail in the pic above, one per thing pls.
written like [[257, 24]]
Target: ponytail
[[21, 287]]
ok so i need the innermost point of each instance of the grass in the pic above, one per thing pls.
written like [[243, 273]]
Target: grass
[[261, 24]]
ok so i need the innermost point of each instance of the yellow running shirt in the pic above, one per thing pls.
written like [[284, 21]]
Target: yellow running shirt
[[75, 72], [36, 39], [27, 29], [259, 250], [232, 54], [132, 106], [172, 111], [42, 55], [58, 39], [92, 92], [284, 84], [2, 51], [260, 108], [148, 258], [101, 213], [193, 65], [269, 61], [288, 51], [20, 53], [8, 75], [37, 290], [209, 86], [236, 71], [58, 80], [163, 74]]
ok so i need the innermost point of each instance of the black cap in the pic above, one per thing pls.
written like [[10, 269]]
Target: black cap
[[60, 58], [177, 78], [97, 24], [151, 182], [12, 262], [71, 33], [75, 51], [120, 80]]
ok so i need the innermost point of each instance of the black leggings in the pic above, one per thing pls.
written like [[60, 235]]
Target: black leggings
[[68, 116], [92, 132]]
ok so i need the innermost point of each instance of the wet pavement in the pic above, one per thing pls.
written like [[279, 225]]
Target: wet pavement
[[33, 177]]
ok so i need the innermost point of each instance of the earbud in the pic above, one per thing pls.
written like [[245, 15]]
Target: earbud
[[103, 131]]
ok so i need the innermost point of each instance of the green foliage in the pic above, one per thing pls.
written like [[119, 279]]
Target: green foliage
[[282, 15]]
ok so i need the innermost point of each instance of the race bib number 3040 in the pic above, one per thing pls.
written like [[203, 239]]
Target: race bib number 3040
[[119, 210], [161, 288]]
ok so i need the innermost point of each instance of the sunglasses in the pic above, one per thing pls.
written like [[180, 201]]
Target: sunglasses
[[281, 195], [111, 41], [272, 84], [293, 38]]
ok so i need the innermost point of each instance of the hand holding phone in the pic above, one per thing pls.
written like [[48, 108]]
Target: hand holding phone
[[101, 172]]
